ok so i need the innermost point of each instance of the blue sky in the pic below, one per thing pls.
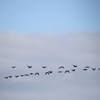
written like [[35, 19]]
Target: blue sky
[[50, 16]]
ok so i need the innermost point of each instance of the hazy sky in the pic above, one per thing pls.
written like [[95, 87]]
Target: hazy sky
[[39, 16], [31, 34]]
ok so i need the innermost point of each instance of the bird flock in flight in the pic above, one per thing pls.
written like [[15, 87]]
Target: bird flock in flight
[[49, 72]]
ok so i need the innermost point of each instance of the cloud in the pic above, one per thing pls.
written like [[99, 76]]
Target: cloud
[[53, 50]]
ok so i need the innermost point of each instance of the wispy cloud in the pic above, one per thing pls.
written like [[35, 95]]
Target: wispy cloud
[[52, 50]]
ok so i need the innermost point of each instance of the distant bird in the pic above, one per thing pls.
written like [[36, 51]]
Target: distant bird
[[6, 77], [17, 76], [36, 73], [73, 70], [75, 65], [26, 74], [10, 76], [59, 71], [13, 66], [61, 67], [44, 66], [67, 71], [21, 75], [46, 73], [98, 68], [29, 66], [93, 69], [50, 71], [31, 73], [85, 69]]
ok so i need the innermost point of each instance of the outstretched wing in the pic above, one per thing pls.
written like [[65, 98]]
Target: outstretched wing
[[61, 67], [29, 66]]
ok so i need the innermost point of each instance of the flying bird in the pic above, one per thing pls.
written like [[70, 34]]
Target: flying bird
[[61, 67], [21, 75], [17, 76], [26, 74], [59, 71], [50, 71], [31, 73], [98, 68], [93, 69], [36, 73], [67, 71], [46, 73], [73, 70], [13, 66], [87, 67], [44, 66], [10, 76], [29, 66], [75, 65], [6, 77]]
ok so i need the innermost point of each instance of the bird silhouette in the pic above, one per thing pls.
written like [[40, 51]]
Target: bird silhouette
[[6, 77], [50, 71], [13, 66], [46, 73], [93, 69], [98, 68], [17, 76], [61, 67], [59, 71], [31, 73], [73, 70], [26, 74], [10, 76], [29, 66], [36, 73], [85, 69], [67, 71], [21, 75], [44, 66], [75, 65]]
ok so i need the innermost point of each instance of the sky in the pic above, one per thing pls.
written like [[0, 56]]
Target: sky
[[53, 51], [53, 16], [50, 33]]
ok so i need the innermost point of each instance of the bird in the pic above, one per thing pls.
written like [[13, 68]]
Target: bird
[[46, 73], [98, 68], [36, 73], [44, 66], [50, 71], [17, 76], [61, 67], [67, 71], [29, 66], [10, 76], [13, 66], [26, 74], [93, 69], [21, 75], [31, 73], [73, 70], [59, 71], [87, 67], [6, 77], [75, 65]]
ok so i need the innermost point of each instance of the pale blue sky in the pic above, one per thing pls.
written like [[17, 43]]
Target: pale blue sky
[[50, 16]]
